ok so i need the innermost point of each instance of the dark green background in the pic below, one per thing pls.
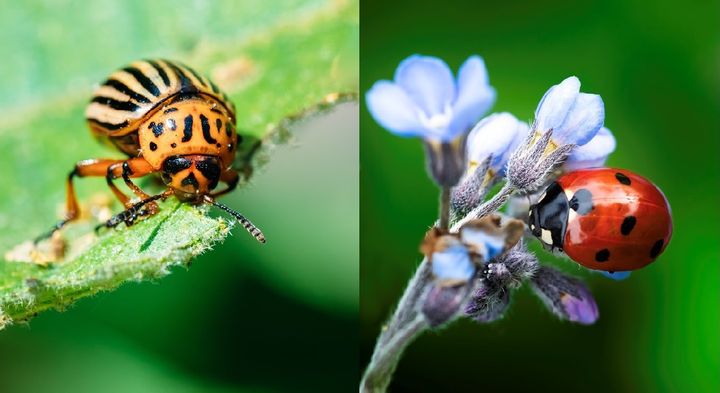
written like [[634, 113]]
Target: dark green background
[[656, 66]]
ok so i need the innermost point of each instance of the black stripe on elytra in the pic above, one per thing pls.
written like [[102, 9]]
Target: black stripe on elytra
[[627, 225], [216, 110], [170, 110], [157, 128], [171, 124], [218, 124], [187, 131], [109, 126], [602, 255], [206, 129], [143, 80], [195, 74], [228, 129], [186, 84], [115, 104], [656, 248], [160, 71], [121, 87], [623, 179], [214, 87], [190, 180]]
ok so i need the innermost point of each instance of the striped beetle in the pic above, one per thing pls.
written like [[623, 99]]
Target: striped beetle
[[169, 119]]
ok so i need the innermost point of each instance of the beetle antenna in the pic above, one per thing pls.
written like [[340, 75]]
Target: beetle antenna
[[249, 226]]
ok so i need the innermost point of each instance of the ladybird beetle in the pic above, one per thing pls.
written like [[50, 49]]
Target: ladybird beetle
[[167, 119], [604, 219]]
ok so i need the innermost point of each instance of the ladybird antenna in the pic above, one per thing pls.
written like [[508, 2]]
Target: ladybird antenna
[[249, 226]]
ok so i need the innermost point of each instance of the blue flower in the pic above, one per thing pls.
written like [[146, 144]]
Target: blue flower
[[424, 100], [574, 117], [617, 276], [451, 261], [592, 154], [498, 135]]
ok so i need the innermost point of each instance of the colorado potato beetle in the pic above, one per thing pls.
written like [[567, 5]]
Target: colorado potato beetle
[[167, 119], [604, 219]]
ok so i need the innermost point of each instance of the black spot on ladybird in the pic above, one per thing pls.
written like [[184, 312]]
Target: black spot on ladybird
[[153, 146], [218, 145], [581, 202], [218, 124], [623, 179], [627, 225], [173, 145], [187, 131], [656, 248], [170, 110], [230, 146], [602, 255]]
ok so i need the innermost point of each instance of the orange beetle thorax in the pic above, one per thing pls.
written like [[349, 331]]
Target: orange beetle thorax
[[191, 176], [188, 125]]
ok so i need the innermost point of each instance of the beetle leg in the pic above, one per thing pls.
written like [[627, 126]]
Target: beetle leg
[[134, 167], [230, 178], [92, 167]]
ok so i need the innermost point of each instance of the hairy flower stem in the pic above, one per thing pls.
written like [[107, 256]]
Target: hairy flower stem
[[387, 355], [486, 208], [402, 327], [444, 208]]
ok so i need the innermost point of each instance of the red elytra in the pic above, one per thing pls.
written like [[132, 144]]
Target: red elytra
[[604, 219]]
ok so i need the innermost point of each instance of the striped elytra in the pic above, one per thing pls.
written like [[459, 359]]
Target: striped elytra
[[130, 93]]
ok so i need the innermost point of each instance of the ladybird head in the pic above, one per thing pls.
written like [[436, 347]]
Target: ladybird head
[[548, 217], [191, 176]]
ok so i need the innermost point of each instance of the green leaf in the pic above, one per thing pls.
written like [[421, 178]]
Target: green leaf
[[300, 62]]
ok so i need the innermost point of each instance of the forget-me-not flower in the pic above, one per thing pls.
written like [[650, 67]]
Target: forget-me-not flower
[[592, 154], [497, 135], [574, 117], [426, 101], [451, 260]]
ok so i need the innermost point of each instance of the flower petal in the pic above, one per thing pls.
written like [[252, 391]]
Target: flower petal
[[391, 107], [495, 135], [453, 263], [475, 95], [565, 296], [428, 82], [583, 121], [555, 104], [592, 154], [617, 276]]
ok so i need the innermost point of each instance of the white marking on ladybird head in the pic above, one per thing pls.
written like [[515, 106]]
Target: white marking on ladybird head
[[572, 215], [546, 236]]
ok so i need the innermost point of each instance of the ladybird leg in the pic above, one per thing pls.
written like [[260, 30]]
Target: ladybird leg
[[93, 167], [230, 178]]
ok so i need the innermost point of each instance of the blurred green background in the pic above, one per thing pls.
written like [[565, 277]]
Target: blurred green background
[[244, 317], [656, 66]]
